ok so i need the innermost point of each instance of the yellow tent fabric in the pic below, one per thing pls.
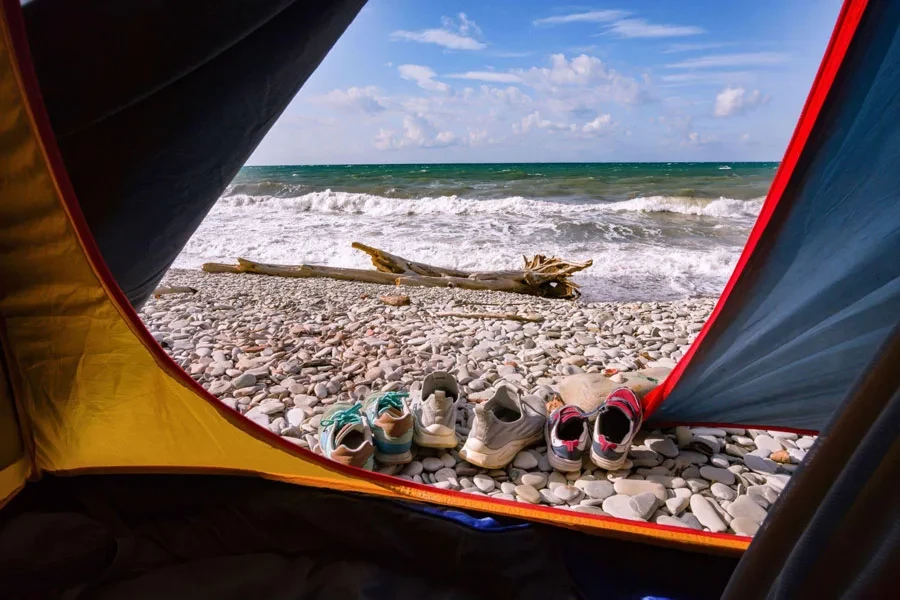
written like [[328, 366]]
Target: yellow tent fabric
[[94, 393]]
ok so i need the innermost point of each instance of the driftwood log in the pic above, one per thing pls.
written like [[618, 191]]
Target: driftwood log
[[541, 276]]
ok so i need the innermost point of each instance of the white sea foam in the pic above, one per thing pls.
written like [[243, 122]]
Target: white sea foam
[[638, 251], [329, 201]]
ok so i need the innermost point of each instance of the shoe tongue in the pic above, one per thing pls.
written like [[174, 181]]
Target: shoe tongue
[[568, 413], [390, 410], [440, 395]]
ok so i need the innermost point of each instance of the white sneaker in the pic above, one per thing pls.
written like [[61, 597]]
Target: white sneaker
[[503, 426], [434, 411]]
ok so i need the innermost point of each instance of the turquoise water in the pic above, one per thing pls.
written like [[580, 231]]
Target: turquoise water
[[653, 230], [607, 182]]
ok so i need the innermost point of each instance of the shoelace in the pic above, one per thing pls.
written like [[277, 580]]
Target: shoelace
[[345, 417], [391, 400]]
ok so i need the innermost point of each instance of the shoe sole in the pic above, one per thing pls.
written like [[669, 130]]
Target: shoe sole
[[401, 458], [609, 465], [562, 464], [500, 457], [428, 440]]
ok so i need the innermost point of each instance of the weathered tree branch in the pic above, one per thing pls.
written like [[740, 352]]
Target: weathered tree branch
[[542, 276]]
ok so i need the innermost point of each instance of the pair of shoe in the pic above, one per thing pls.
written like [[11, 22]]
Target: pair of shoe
[[568, 435], [383, 427]]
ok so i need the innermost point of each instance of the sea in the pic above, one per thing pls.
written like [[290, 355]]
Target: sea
[[655, 231]]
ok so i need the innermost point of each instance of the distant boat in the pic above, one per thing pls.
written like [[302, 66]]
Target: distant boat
[[724, 168]]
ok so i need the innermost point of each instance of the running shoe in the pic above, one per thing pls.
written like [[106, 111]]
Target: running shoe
[[503, 426], [568, 436], [392, 426], [345, 437], [618, 420], [434, 411]]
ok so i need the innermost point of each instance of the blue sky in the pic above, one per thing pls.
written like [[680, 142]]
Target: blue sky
[[521, 80]]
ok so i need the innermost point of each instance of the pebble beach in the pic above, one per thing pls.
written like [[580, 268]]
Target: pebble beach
[[280, 351]]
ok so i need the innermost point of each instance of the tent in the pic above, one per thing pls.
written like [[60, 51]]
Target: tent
[[120, 125]]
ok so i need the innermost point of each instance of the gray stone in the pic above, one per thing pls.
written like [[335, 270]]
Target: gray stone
[[568, 493], [295, 417], [321, 390], [767, 442], [549, 497], [722, 491], [664, 446], [683, 435], [414, 468], [271, 407], [484, 483], [716, 474], [445, 474], [597, 489], [556, 479], [677, 505], [689, 457], [465, 469], [777, 482], [244, 380], [217, 388], [633, 487], [744, 526], [620, 506], [535, 480], [508, 488], [706, 514], [713, 431], [644, 504], [448, 460], [805, 443], [759, 464], [744, 507], [432, 463], [528, 494], [697, 485], [525, 460], [505, 496], [674, 522], [762, 495]]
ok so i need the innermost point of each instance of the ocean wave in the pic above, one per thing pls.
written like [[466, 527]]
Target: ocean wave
[[332, 202], [707, 207]]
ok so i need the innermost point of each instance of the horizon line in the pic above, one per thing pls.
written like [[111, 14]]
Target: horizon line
[[636, 162]]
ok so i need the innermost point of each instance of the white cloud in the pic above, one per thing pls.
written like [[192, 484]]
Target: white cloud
[[585, 72], [695, 140], [534, 121], [733, 101], [491, 76], [418, 132], [594, 16], [640, 28], [722, 77], [461, 36], [600, 124], [424, 77], [365, 99], [743, 59], [512, 96], [692, 47]]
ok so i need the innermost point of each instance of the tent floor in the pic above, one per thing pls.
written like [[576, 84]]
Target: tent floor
[[207, 536]]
